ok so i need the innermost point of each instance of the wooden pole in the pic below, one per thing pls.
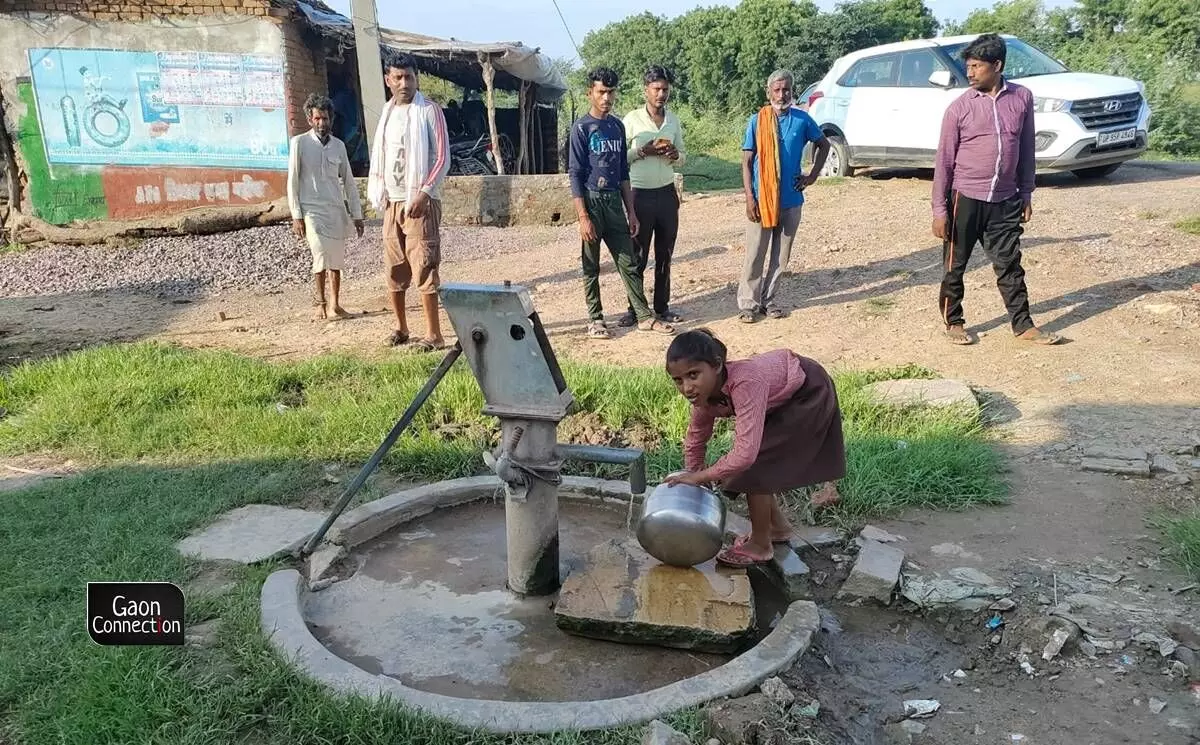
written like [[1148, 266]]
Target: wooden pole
[[489, 75], [523, 105]]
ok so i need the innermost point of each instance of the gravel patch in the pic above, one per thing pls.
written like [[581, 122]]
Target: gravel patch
[[253, 259]]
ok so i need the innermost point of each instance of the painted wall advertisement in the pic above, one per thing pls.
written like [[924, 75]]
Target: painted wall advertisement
[[184, 109]]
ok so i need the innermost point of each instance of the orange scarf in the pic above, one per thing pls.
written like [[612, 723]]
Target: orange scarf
[[766, 145]]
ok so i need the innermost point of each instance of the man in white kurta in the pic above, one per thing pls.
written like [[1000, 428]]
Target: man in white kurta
[[323, 198]]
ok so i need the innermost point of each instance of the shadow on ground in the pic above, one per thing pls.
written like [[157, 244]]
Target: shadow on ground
[[36, 327]]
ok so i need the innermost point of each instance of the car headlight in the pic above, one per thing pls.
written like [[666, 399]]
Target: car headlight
[[1047, 105]]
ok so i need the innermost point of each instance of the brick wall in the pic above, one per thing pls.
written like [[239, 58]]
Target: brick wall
[[304, 59], [132, 10]]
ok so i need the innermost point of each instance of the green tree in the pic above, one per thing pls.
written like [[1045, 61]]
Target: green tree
[[707, 57], [629, 46], [764, 28], [887, 21], [1102, 18]]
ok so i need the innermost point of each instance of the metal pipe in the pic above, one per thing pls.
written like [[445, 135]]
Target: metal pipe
[[632, 457], [406, 418]]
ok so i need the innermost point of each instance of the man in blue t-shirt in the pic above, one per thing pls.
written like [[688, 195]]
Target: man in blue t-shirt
[[774, 218], [599, 171]]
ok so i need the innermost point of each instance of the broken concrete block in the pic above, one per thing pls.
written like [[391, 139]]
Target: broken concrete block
[[872, 533], [1106, 451], [253, 533], [1164, 464], [1139, 468], [660, 733], [875, 573], [322, 560], [788, 572], [936, 393], [622, 594]]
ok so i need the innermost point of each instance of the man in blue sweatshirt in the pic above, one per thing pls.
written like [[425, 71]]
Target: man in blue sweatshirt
[[599, 170]]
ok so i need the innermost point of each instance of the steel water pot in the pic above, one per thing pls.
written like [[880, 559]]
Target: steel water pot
[[682, 525]]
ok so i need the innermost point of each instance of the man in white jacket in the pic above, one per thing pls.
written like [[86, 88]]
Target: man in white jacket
[[323, 198], [410, 158]]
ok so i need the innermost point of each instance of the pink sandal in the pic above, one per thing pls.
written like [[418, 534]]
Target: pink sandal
[[737, 557]]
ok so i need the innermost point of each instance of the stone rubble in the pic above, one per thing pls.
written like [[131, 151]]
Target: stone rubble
[[777, 692], [965, 588], [1139, 462], [660, 733]]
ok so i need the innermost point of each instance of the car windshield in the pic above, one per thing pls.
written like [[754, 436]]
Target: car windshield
[[1023, 60]]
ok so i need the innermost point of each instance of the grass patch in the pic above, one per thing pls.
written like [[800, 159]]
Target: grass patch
[[120, 523], [1190, 225], [1160, 155], [878, 306], [165, 404], [710, 173], [1183, 535], [11, 248], [184, 435]]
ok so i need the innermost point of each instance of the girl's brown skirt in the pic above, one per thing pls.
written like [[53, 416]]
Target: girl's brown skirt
[[802, 440]]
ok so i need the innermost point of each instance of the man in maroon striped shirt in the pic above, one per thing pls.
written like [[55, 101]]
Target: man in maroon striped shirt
[[983, 188]]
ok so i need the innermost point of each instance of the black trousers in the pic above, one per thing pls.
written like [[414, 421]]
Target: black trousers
[[998, 226], [658, 219]]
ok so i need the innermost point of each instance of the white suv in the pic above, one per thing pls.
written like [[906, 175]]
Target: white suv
[[883, 106]]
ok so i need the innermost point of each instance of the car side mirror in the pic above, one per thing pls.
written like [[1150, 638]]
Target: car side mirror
[[941, 79]]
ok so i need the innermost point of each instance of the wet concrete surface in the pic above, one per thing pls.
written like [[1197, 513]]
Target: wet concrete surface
[[428, 606]]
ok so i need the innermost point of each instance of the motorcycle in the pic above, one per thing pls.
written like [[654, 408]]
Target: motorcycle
[[477, 157]]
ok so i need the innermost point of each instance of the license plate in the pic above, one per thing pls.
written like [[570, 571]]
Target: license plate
[[1115, 138]]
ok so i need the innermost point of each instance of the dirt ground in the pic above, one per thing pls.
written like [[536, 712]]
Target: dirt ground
[[1105, 268]]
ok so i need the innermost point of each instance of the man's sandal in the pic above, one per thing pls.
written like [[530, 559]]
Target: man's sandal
[[424, 346], [656, 326], [958, 334], [597, 330], [1036, 336]]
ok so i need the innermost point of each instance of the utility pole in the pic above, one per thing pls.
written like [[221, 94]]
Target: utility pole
[[370, 65]]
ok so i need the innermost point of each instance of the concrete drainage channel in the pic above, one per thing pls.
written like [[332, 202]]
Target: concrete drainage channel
[[288, 600]]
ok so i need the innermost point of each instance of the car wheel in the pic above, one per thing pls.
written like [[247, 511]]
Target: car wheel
[[1097, 171], [838, 162]]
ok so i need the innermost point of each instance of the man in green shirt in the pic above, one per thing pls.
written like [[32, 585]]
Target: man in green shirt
[[655, 140]]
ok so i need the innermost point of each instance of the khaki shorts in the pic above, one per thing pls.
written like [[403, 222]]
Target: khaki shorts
[[412, 248]]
